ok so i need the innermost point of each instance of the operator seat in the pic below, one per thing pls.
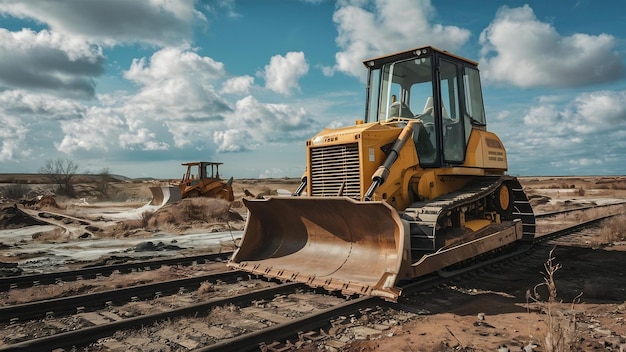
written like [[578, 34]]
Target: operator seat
[[429, 109], [400, 109], [428, 118]]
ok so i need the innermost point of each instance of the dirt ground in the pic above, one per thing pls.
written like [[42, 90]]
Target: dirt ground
[[491, 313]]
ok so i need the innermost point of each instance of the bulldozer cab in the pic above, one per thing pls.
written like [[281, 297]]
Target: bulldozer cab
[[201, 170], [201, 179], [440, 89]]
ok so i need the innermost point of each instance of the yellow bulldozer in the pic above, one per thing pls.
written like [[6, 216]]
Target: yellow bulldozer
[[415, 187], [202, 179]]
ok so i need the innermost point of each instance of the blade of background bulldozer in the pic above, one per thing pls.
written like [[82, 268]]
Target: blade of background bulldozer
[[336, 243], [165, 195]]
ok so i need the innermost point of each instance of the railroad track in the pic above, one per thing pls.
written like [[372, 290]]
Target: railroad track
[[570, 210], [57, 307], [13, 282], [279, 309]]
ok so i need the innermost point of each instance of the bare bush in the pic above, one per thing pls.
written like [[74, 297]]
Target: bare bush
[[61, 172], [15, 191], [145, 218], [613, 229], [102, 184], [562, 331]]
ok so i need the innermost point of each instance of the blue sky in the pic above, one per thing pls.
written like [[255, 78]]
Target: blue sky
[[139, 87]]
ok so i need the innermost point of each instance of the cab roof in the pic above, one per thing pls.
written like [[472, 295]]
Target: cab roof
[[194, 163], [413, 53]]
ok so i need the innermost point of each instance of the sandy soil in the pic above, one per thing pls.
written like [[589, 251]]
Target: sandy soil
[[483, 316], [70, 233]]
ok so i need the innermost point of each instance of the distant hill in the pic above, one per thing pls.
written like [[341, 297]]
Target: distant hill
[[78, 178]]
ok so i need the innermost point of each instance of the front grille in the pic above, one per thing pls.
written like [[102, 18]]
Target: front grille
[[334, 166]]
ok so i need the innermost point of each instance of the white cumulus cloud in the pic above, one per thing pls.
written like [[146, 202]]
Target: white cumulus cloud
[[233, 140], [142, 139], [253, 123], [177, 86], [519, 49], [238, 85], [49, 62], [12, 134], [372, 28], [568, 136], [283, 72], [98, 130], [160, 22]]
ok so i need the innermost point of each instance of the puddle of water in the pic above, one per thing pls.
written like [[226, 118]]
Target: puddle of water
[[48, 257]]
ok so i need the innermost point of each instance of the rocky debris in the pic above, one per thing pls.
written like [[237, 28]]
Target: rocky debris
[[40, 202], [149, 246], [11, 217], [112, 260], [48, 201], [28, 202], [9, 269], [93, 228], [536, 200], [235, 216]]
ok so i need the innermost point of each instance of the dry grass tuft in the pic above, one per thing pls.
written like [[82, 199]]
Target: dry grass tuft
[[202, 209], [184, 214], [206, 287], [562, 333], [188, 211], [613, 229], [266, 191], [14, 191], [221, 314]]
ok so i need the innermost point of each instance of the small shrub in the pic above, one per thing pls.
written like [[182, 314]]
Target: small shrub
[[15, 191], [128, 225], [266, 191], [119, 196], [562, 332], [613, 229], [145, 218], [192, 211]]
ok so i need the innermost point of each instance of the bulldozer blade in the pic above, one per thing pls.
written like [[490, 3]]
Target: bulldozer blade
[[332, 242], [165, 195]]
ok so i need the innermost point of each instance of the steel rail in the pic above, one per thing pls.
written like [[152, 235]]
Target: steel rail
[[311, 321], [571, 229], [587, 207], [7, 283], [88, 335], [98, 300]]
